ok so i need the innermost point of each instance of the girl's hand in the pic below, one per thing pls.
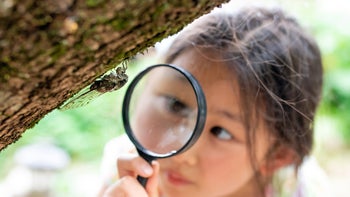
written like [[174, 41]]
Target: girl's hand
[[129, 167]]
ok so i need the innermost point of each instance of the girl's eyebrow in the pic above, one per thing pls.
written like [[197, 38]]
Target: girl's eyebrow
[[229, 115]]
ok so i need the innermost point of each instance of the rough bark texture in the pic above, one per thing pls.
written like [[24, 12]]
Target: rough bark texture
[[51, 49]]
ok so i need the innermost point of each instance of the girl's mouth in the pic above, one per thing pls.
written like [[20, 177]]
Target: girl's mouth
[[177, 179]]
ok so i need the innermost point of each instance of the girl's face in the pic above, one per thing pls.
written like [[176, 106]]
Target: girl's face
[[218, 164]]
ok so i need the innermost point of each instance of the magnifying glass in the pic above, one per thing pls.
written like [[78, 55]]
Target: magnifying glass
[[164, 112]]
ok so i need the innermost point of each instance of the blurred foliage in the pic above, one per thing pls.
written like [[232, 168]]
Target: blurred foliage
[[334, 39], [336, 100]]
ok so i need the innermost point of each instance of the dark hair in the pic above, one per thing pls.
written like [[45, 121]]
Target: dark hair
[[277, 65]]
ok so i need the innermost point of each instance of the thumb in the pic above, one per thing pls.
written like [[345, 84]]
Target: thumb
[[152, 184]]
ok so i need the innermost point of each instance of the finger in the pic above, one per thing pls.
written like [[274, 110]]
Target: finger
[[126, 186], [133, 165], [152, 184]]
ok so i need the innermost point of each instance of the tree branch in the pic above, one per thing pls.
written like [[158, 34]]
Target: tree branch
[[51, 49]]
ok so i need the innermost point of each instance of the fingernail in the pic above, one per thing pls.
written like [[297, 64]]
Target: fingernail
[[147, 170]]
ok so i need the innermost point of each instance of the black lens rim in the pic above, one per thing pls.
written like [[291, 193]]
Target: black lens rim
[[201, 106]]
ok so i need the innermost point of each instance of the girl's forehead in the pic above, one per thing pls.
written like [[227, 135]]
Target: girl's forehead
[[206, 66]]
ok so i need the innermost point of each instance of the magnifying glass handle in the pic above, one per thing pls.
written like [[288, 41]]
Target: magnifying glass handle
[[143, 180]]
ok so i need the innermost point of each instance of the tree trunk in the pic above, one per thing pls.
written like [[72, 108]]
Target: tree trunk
[[51, 49]]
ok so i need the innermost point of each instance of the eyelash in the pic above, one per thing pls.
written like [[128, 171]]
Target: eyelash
[[221, 133]]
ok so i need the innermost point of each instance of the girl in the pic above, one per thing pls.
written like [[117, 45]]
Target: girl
[[262, 78]]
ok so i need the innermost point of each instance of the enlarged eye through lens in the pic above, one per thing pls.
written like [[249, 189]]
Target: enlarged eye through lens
[[164, 111], [176, 106]]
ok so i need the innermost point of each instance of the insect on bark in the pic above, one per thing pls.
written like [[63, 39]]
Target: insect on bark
[[116, 79]]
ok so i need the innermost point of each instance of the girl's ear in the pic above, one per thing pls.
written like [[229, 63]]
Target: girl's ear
[[280, 157]]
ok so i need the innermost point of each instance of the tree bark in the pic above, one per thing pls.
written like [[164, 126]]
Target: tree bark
[[51, 49]]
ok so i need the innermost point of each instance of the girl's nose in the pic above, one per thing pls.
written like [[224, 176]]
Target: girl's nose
[[189, 157]]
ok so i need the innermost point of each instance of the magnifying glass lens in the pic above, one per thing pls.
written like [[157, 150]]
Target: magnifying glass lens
[[163, 111]]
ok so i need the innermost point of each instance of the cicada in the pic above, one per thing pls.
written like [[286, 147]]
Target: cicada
[[116, 79]]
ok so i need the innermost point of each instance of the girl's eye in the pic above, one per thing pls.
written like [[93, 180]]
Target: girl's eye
[[175, 106], [221, 133]]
